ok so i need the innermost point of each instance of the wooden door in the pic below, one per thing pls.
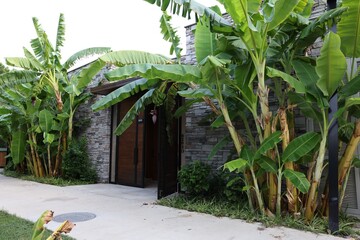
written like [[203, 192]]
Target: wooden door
[[130, 150], [2, 159], [169, 156]]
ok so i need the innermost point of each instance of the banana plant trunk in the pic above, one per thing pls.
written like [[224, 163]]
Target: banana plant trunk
[[50, 171], [58, 159], [33, 158], [311, 201], [71, 128], [346, 159], [266, 115], [37, 157], [238, 142], [291, 191]]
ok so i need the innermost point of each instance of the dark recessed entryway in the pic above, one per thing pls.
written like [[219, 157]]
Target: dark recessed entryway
[[143, 155]]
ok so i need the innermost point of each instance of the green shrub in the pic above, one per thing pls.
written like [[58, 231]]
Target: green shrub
[[233, 188], [195, 178], [227, 185], [76, 164]]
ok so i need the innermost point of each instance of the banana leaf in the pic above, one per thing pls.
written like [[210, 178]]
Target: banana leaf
[[349, 28], [176, 73], [298, 179], [268, 144], [330, 65], [300, 146], [18, 142], [123, 93]]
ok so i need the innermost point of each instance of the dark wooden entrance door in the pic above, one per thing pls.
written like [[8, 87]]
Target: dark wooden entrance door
[[130, 150], [144, 151]]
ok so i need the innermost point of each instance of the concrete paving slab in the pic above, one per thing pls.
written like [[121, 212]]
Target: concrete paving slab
[[128, 213]]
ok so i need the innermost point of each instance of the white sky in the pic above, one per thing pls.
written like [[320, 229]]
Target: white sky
[[119, 24]]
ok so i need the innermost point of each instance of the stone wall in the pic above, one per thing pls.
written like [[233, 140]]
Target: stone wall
[[200, 137], [318, 9], [97, 131]]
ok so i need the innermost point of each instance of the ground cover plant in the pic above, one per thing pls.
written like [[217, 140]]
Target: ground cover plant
[[263, 52], [57, 181], [221, 207], [13, 227]]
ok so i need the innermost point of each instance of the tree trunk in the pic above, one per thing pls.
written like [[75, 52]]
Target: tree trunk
[[291, 191], [33, 158], [311, 203], [263, 95], [50, 171], [37, 158], [346, 160]]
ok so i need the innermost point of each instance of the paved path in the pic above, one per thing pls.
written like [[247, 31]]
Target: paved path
[[125, 213]]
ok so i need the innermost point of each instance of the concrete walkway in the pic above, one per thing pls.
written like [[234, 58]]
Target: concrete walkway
[[127, 213]]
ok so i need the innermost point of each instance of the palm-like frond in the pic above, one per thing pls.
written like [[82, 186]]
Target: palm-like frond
[[124, 92], [37, 47], [121, 58], [169, 34], [177, 73], [60, 37], [17, 77], [41, 45], [36, 43], [72, 60], [185, 7], [19, 62], [33, 61]]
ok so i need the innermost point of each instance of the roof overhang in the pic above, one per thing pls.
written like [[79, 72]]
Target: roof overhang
[[111, 86]]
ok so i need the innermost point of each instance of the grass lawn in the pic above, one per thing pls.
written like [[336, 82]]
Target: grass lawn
[[15, 228]]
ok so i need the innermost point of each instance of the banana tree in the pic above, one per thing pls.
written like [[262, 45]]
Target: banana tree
[[49, 77], [21, 115], [255, 35], [296, 149], [233, 59], [46, 61]]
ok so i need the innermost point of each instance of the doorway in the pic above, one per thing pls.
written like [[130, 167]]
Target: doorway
[[143, 156]]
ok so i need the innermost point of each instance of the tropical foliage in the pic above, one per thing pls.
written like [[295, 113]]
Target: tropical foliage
[[263, 52], [38, 102]]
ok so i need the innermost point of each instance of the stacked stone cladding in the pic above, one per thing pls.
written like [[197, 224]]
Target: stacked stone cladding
[[318, 9], [97, 131]]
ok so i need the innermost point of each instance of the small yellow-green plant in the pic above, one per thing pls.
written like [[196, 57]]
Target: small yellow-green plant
[[45, 218]]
